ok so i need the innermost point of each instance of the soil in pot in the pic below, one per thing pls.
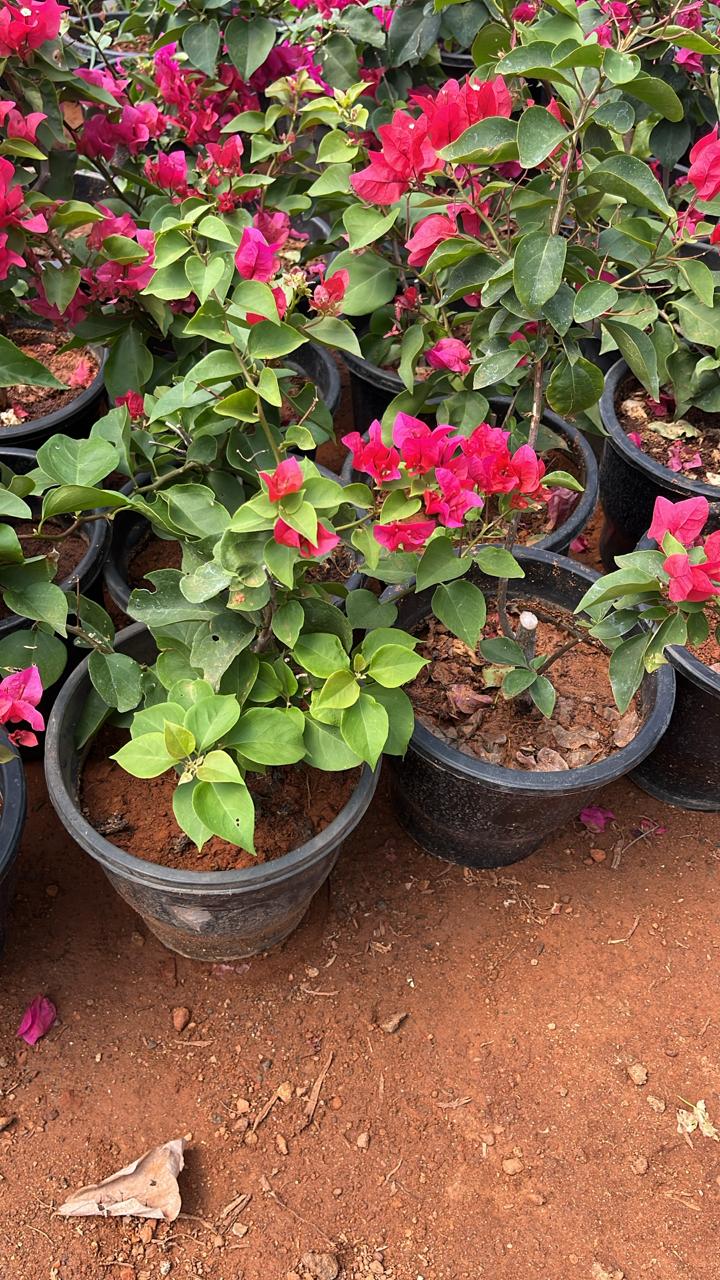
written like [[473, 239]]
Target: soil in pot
[[544, 520], [70, 550], [155, 553], [453, 698], [340, 565], [689, 445], [292, 804], [77, 368]]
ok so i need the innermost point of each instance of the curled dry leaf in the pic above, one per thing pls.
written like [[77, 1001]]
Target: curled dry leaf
[[627, 728], [546, 761], [696, 1118], [147, 1188], [464, 700]]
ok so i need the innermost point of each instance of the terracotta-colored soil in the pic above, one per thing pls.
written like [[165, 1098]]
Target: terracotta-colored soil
[[291, 806], [452, 698], [630, 403], [44, 345]]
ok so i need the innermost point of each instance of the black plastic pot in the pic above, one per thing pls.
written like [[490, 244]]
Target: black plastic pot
[[217, 916], [630, 481], [319, 367], [12, 821], [457, 64], [682, 770], [560, 538], [74, 419], [463, 810]]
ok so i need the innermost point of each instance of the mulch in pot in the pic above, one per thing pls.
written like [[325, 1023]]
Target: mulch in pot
[[688, 445], [293, 803], [80, 365], [452, 698]]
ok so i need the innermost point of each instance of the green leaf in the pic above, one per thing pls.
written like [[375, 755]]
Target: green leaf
[[321, 654], [626, 176], [42, 601], [620, 68], [201, 42], [249, 43], [502, 651], [413, 341], [204, 277], [80, 498], [393, 665], [211, 719], [401, 718], [687, 39], [574, 387], [364, 226], [287, 622], [372, 281], [227, 810], [18, 369], [76, 462], [61, 284], [364, 726], [657, 94], [365, 612], [129, 364], [338, 59], [179, 742], [439, 563], [461, 606], [218, 766], [145, 756], [270, 735], [538, 268], [34, 649], [638, 352], [593, 299], [339, 691], [700, 278], [268, 340], [543, 695], [413, 33], [538, 134], [326, 749], [117, 678], [185, 814], [627, 668], [490, 141], [334, 332], [535, 60], [498, 562], [516, 681]]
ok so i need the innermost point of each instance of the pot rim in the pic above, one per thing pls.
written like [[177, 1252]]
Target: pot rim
[[590, 776], [118, 861], [636, 458]]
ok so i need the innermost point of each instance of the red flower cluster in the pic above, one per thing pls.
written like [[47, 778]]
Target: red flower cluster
[[410, 144], [27, 25], [458, 474], [704, 171]]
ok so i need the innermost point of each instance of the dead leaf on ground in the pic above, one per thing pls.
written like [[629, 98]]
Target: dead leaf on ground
[[696, 1118], [572, 739], [627, 728], [546, 761], [147, 1188], [464, 700]]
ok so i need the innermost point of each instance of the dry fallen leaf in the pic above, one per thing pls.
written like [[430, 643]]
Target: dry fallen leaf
[[147, 1188], [696, 1118], [393, 1023]]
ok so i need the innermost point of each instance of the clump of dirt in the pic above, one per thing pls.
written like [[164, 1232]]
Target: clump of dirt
[[687, 445], [292, 804], [76, 368], [456, 697]]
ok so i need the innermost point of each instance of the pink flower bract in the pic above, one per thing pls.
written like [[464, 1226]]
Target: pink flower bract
[[684, 520], [595, 818], [37, 1020], [19, 696]]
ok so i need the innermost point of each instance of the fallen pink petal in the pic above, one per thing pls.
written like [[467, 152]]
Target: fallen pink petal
[[595, 818], [37, 1020]]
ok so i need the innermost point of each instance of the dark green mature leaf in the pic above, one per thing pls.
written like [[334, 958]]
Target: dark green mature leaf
[[638, 351], [626, 176], [592, 299], [492, 140], [117, 678], [76, 462], [249, 43], [538, 134], [538, 268], [201, 42], [627, 668], [34, 648], [439, 563], [338, 59], [401, 718], [413, 33], [129, 364], [41, 601], [656, 94], [574, 387], [326, 749], [372, 281]]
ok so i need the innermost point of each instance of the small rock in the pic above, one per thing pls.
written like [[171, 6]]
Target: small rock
[[640, 1166], [251, 1139], [5, 1122], [336, 1103], [137, 939], [638, 1073], [285, 1091], [598, 855], [147, 1232], [321, 1266], [363, 1141], [376, 1268], [242, 1106], [392, 1024], [488, 1139], [180, 1018], [657, 1104], [281, 1144], [52, 890], [217, 1242], [599, 1272], [165, 1268], [239, 1229], [512, 1165]]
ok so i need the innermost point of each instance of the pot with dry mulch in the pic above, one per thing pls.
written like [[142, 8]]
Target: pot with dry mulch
[[240, 905], [633, 473], [12, 820], [32, 414], [484, 781]]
